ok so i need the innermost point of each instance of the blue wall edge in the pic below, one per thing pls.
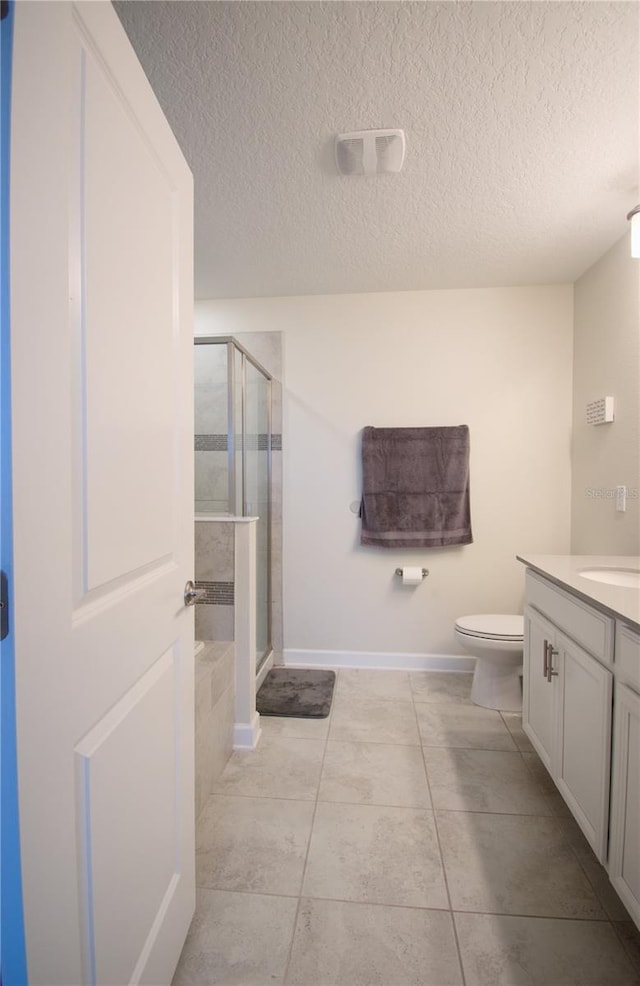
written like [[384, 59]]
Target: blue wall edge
[[13, 965]]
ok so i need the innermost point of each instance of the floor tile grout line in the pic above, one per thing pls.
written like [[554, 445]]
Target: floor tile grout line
[[373, 804], [306, 857], [534, 917], [261, 797], [379, 804], [594, 890], [247, 893], [501, 814], [473, 749], [441, 855], [633, 954], [538, 784], [579, 855], [427, 746], [377, 742], [547, 796], [523, 915]]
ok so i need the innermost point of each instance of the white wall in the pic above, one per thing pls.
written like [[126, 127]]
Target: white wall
[[607, 363], [499, 360]]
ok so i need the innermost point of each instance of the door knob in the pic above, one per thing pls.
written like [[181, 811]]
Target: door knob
[[191, 594]]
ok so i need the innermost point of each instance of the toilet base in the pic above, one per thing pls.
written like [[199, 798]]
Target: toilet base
[[496, 686]]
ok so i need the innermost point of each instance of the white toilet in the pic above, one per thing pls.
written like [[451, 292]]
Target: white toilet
[[496, 641]]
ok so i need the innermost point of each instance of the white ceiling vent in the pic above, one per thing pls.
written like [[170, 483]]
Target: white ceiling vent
[[370, 152]]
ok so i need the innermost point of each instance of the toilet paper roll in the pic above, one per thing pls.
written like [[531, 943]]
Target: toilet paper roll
[[411, 575]]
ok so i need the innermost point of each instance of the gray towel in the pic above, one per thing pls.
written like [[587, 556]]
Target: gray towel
[[415, 487]]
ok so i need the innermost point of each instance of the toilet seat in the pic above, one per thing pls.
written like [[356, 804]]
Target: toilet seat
[[492, 626]]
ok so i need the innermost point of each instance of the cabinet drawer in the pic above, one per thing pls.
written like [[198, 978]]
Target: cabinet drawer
[[627, 655], [587, 626]]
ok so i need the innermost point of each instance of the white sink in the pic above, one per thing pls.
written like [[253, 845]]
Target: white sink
[[629, 578]]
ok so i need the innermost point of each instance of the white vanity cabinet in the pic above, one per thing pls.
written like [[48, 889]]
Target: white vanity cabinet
[[624, 836], [567, 704], [581, 700]]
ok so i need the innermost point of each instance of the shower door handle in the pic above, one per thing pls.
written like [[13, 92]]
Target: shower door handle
[[191, 594]]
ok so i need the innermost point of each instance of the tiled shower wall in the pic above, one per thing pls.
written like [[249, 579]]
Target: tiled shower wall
[[214, 566], [214, 541]]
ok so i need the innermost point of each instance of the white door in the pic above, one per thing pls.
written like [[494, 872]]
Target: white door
[[101, 336]]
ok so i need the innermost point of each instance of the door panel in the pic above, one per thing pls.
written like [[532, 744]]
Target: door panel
[[538, 693], [624, 861], [129, 797], [102, 339], [584, 740], [630, 862], [128, 337]]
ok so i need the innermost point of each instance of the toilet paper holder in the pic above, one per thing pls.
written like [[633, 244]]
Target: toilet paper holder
[[400, 572]]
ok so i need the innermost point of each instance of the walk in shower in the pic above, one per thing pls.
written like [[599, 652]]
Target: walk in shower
[[233, 425]]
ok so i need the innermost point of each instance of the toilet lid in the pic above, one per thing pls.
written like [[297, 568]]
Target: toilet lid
[[492, 626]]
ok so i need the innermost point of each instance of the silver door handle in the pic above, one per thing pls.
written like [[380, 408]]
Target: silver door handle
[[550, 671], [191, 594], [545, 660]]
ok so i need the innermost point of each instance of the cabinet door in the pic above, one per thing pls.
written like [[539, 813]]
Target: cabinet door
[[583, 746], [624, 856], [538, 692]]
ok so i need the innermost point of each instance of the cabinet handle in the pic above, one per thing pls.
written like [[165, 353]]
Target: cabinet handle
[[545, 660], [551, 653]]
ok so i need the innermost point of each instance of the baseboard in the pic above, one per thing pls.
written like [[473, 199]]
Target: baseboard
[[247, 734], [376, 659]]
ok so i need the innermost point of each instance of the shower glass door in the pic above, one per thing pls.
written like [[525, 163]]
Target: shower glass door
[[211, 426], [256, 485], [233, 453]]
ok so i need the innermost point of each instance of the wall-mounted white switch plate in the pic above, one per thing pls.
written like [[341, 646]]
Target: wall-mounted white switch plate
[[621, 499], [600, 412]]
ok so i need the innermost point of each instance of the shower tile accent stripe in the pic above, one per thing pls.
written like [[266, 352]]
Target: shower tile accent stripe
[[210, 443], [216, 593], [254, 443]]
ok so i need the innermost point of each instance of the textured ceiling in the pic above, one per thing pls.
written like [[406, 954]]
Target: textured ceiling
[[522, 138]]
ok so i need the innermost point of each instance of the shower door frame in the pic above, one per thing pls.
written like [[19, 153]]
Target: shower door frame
[[232, 345]]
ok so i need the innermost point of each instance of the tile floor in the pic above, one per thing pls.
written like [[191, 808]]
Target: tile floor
[[410, 838]]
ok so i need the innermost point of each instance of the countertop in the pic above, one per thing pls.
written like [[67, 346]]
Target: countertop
[[564, 570]]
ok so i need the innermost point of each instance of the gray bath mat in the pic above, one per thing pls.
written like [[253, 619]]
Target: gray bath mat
[[298, 692]]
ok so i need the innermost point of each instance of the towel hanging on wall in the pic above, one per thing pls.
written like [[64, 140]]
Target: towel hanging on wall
[[415, 487]]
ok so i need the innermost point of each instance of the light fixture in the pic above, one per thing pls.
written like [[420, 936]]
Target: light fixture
[[634, 216]]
